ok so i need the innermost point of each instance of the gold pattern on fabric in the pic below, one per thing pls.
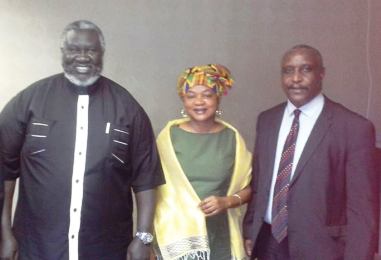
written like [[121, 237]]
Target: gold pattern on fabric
[[214, 76]]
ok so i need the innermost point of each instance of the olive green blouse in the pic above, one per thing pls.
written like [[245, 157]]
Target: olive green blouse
[[208, 161]]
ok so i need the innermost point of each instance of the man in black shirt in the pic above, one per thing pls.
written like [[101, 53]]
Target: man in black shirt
[[78, 142]]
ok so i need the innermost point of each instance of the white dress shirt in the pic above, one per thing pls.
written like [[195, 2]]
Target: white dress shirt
[[307, 119]]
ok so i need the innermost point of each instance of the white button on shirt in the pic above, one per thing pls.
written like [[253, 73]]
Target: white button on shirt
[[307, 119]]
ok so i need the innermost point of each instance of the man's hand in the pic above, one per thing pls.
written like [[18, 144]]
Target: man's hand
[[8, 247], [145, 203], [137, 250], [8, 243], [249, 247]]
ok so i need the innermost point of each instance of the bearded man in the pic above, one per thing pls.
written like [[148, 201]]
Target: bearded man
[[78, 142]]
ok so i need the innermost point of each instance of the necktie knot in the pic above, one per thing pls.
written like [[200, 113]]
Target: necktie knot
[[297, 113]]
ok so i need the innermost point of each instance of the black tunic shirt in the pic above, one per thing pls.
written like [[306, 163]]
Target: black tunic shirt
[[78, 151]]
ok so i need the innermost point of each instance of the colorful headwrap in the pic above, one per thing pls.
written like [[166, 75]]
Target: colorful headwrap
[[214, 76]]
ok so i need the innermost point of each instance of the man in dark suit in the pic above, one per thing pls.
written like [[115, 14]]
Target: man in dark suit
[[315, 188]]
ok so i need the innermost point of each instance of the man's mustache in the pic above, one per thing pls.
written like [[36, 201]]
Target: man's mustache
[[297, 87]]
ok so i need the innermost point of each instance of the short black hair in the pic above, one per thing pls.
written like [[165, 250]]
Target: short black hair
[[315, 51]]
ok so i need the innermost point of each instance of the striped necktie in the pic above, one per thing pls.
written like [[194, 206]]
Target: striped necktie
[[279, 208]]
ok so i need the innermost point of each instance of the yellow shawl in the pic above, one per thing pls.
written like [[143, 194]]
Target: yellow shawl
[[179, 224]]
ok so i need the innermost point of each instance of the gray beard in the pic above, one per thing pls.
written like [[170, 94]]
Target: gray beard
[[82, 83]]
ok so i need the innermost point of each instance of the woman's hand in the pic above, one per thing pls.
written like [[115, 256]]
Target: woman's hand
[[214, 205]]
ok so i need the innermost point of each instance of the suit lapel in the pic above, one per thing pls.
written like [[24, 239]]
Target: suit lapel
[[272, 140], [320, 129]]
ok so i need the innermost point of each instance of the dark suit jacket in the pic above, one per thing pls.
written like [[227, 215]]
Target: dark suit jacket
[[333, 196]]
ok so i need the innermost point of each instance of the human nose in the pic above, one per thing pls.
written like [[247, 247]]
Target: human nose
[[83, 55], [296, 77], [199, 99]]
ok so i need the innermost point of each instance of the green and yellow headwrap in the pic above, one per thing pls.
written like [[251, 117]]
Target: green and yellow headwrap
[[214, 76]]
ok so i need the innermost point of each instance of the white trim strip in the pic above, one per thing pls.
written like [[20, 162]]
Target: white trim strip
[[107, 131], [119, 142], [121, 131], [38, 135], [42, 124], [79, 166], [120, 160], [39, 151]]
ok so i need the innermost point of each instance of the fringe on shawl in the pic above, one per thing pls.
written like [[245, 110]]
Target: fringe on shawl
[[195, 247], [198, 256]]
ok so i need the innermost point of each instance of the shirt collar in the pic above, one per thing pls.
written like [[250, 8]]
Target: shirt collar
[[311, 109]]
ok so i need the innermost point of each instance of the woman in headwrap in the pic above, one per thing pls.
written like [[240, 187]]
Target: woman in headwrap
[[207, 169]]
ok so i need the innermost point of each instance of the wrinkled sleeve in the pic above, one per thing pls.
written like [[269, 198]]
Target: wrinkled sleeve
[[249, 216], [12, 134], [146, 167], [362, 194]]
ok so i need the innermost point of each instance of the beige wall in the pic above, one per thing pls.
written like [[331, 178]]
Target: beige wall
[[150, 42]]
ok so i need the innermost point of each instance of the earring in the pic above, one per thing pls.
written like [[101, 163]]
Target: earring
[[219, 112], [183, 113]]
